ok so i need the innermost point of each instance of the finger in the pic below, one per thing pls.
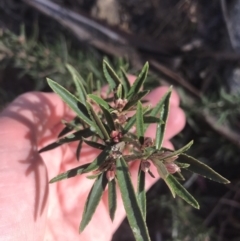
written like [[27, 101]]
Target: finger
[[155, 96]]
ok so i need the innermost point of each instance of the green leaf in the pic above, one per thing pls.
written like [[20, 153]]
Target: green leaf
[[163, 120], [139, 122], [90, 83], [151, 119], [70, 126], [76, 136], [94, 144], [99, 88], [160, 104], [138, 82], [141, 193], [97, 123], [151, 174], [94, 176], [78, 81], [93, 200], [131, 121], [70, 99], [79, 148], [110, 75], [70, 173], [112, 198], [201, 169], [120, 92], [133, 211], [163, 173], [179, 176], [182, 165], [125, 82], [177, 152], [181, 191], [99, 101], [109, 119], [135, 98], [129, 124], [100, 159]]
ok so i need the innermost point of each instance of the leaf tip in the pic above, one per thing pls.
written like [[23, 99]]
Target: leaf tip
[[52, 180], [81, 227], [226, 181], [49, 81], [196, 205]]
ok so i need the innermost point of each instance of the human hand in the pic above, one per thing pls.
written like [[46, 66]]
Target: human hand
[[31, 209]]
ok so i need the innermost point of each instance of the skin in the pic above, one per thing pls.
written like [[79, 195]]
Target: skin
[[30, 208]]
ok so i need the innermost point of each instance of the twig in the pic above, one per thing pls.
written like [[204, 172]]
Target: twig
[[221, 129], [174, 76], [108, 39], [83, 28]]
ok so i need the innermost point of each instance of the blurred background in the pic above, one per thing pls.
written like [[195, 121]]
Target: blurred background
[[191, 44]]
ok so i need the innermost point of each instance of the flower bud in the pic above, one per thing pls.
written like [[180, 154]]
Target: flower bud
[[164, 156], [148, 141], [114, 134], [120, 103], [122, 119], [172, 168]]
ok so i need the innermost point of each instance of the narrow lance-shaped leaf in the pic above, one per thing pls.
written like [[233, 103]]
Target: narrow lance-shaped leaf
[[179, 176], [78, 81], [163, 121], [134, 214], [70, 173], [163, 173], [120, 91], [151, 119], [159, 106], [135, 98], [99, 101], [130, 124], [94, 144], [70, 99], [125, 82], [100, 159], [79, 148], [201, 169], [141, 193], [109, 119], [110, 75], [177, 152], [99, 87], [139, 122], [93, 200], [132, 120], [90, 83], [76, 136], [70, 126], [97, 122], [181, 191], [94, 176], [138, 82], [112, 198]]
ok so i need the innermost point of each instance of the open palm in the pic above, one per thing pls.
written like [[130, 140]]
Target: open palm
[[31, 209]]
